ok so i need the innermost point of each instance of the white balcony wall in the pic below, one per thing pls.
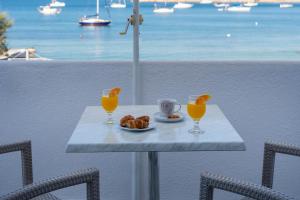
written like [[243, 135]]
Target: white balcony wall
[[43, 101]]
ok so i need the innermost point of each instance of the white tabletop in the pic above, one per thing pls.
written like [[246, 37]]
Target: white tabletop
[[93, 135]]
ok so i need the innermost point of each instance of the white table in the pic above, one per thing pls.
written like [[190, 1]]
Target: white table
[[93, 135]]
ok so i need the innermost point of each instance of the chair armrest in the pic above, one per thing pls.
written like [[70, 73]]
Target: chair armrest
[[269, 159], [88, 176], [26, 156], [210, 181]]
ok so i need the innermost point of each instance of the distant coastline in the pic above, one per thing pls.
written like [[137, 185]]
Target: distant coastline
[[222, 1]]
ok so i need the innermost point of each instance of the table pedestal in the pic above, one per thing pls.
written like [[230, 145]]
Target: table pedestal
[[140, 191], [153, 175]]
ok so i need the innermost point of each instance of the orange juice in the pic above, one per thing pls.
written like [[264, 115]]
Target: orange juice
[[109, 103], [196, 111]]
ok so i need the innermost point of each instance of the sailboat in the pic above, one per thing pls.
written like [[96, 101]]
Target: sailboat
[[181, 5], [221, 5], [162, 9], [94, 20], [119, 4]]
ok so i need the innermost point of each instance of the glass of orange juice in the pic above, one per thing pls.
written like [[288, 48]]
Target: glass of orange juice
[[196, 112], [109, 104]]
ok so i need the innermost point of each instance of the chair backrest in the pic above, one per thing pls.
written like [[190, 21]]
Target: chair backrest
[[26, 156], [269, 159], [211, 181]]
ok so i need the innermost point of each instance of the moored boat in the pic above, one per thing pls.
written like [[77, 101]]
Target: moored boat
[[206, 2], [221, 5], [162, 10], [94, 20], [250, 4], [57, 4], [240, 8], [23, 54], [286, 5], [118, 4], [181, 5], [48, 10]]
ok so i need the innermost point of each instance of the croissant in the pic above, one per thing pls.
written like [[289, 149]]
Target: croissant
[[125, 119], [140, 124], [144, 118], [131, 124]]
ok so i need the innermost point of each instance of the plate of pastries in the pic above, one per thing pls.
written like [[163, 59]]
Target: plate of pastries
[[138, 124]]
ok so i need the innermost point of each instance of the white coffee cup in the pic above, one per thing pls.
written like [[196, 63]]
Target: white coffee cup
[[167, 106]]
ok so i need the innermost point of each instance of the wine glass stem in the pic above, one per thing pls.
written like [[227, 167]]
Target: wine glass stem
[[109, 118], [196, 125]]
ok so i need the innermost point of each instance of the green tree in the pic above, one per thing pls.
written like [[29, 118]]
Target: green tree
[[5, 23]]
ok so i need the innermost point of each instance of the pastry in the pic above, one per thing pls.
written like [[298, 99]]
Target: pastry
[[131, 124], [144, 118], [173, 116], [125, 119], [140, 124]]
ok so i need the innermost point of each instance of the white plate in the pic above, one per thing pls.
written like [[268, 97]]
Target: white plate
[[150, 127], [162, 118]]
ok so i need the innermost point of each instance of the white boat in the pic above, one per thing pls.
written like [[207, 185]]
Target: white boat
[[94, 20], [221, 5], [250, 4], [206, 2], [57, 4], [47, 10], [162, 10], [24, 54], [241, 9], [118, 4], [180, 5], [286, 5]]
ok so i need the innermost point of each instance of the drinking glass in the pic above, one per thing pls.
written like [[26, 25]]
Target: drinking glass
[[196, 112], [109, 104]]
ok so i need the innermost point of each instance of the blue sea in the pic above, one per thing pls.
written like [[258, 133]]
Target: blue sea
[[199, 33]]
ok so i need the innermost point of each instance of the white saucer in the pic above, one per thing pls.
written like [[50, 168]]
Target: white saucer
[[162, 118], [150, 127]]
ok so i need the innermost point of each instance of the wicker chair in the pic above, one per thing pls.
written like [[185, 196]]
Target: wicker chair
[[210, 181], [251, 191], [269, 159], [40, 190]]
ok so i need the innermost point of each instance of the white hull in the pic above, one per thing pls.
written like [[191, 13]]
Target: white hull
[[47, 10], [163, 10], [23, 54], [118, 5], [93, 21], [240, 9], [206, 2], [221, 5], [57, 4], [250, 4], [286, 5], [183, 5]]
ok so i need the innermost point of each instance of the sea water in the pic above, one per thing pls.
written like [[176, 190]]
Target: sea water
[[199, 33]]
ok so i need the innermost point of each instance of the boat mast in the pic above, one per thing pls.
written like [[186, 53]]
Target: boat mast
[[97, 8]]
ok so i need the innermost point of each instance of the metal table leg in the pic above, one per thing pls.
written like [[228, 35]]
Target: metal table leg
[[153, 175], [139, 176]]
